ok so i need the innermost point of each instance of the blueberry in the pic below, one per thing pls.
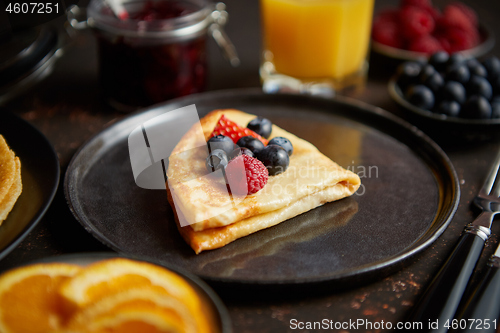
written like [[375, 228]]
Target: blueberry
[[220, 142], [495, 109], [459, 73], [261, 126], [495, 99], [495, 84], [407, 74], [422, 61], [439, 60], [479, 86], [217, 159], [492, 65], [449, 108], [426, 72], [284, 143], [476, 107], [455, 59], [475, 68], [251, 143], [435, 82], [240, 151], [454, 91], [275, 158], [420, 96]]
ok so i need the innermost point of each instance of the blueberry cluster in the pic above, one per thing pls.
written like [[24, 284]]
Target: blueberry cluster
[[452, 85], [274, 156]]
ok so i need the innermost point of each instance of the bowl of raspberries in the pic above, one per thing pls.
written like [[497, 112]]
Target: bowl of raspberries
[[418, 29], [450, 92]]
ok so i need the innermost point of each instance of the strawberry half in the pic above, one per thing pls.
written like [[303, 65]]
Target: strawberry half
[[234, 131]]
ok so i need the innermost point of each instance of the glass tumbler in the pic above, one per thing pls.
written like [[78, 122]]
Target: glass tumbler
[[315, 46]]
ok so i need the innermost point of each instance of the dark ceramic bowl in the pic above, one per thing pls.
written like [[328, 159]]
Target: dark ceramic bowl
[[442, 127], [487, 43]]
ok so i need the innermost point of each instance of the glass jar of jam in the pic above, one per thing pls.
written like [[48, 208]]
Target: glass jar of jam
[[157, 50]]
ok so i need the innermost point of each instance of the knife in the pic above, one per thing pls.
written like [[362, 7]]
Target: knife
[[481, 311], [437, 307]]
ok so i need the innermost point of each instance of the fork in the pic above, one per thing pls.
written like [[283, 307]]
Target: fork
[[437, 306]]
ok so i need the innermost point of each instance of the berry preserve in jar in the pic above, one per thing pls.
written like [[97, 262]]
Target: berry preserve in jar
[[156, 54]]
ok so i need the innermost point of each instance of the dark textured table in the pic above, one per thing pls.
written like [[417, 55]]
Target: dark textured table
[[68, 109]]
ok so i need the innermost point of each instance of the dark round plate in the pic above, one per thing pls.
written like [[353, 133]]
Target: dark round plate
[[487, 43], [443, 127], [40, 177], [410, 192], [217, 310]]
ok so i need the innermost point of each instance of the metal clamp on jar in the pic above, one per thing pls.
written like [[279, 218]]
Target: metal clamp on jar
[[156, 50]]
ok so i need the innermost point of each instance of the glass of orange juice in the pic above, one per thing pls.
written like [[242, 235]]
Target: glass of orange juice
[[315, 46]]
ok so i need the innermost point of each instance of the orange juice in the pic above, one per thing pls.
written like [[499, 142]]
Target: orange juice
[[317, 38]]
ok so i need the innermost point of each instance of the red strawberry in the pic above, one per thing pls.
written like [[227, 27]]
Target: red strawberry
[[246, 175], [415, 22], [425, 44], [234, 131]]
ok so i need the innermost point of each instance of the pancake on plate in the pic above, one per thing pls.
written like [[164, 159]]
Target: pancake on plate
[[208, 218], [10, 179]]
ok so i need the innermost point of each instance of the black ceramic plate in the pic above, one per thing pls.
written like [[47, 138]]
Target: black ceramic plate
[[216, 309], [409, 194], [39, 174]]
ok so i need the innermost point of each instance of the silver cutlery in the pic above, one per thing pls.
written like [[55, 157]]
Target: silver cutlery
[[481, 311], [435, 310]]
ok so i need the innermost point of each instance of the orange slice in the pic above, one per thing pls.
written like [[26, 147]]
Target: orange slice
[[132, 321], [112, 276], [29, 301], [135, 301]]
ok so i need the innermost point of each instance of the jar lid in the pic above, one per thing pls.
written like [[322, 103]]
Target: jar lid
[[201, 15]]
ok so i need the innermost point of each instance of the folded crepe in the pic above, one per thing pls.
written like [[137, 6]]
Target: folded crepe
[[209, 218]]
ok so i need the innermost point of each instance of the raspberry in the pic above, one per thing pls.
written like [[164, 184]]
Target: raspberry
[[416, 3], [445, 43], [425, 44], [434, 12], [415, 22], [387, 33], [252, 181], [234, 131], [469, 12], [461, 39], [388, 15], [455, 17]]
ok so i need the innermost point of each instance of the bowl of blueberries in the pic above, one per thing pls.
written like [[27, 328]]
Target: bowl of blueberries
[[450, 95]]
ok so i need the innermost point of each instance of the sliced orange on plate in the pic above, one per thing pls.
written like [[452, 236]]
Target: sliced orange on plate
[[110, 296], [130, 309], [109, 277], [29, 299]]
